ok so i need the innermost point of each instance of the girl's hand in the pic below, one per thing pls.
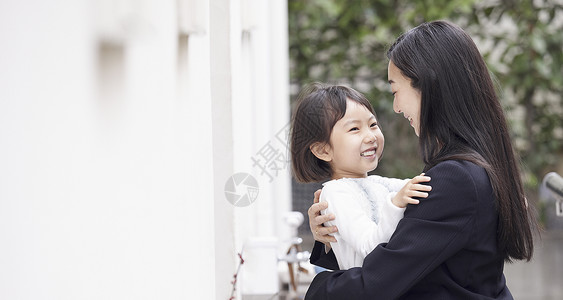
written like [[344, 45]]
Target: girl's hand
[[316, 220], [413, 188]]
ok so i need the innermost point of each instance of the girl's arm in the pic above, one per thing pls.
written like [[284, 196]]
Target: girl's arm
[[395, 184], [413, 188], [354, 225]]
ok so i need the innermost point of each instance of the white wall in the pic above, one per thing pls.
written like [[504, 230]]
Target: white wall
[[116, 143], [259, 47]]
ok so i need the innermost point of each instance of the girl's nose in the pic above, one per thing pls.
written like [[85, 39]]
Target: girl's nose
[[370, 138]]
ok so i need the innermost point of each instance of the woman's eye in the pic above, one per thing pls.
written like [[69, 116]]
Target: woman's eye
[[373, 125], [354, 129]]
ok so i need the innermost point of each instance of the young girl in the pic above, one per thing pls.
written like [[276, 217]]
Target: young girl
[[335, 135]]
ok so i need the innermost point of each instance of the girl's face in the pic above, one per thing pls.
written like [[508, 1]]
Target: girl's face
[[407, 99], [356, 143]]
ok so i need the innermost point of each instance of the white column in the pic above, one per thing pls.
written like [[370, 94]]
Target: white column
[[279, 76], [260, 109], [222, 140], [194, 125]]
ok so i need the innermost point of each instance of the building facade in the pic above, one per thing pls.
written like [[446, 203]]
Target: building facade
[[122, 124]]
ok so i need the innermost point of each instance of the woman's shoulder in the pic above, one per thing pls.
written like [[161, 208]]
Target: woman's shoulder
[[458, 166], [458, 172]]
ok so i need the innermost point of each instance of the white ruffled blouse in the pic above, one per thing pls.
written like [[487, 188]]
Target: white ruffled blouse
[[365, 215]]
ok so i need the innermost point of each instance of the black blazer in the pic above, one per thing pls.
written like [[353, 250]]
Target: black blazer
[[444, 248]]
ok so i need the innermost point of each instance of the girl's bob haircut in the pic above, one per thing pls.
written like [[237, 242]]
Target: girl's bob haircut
[[319, 107]]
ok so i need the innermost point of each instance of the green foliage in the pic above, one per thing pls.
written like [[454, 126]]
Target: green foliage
[[527, 57], [345, 42], [342, 41]]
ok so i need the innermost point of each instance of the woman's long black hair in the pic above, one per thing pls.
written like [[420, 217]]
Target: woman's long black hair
[[461, 118]]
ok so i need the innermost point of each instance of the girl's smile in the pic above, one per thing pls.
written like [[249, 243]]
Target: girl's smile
[[370, 153]]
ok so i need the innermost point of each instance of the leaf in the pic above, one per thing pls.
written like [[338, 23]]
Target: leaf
[[538, 43]]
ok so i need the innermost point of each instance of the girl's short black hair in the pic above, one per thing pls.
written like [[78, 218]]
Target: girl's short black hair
[[319, 107]]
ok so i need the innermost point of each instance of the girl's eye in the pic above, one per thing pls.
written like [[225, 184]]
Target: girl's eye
[[373, 125], [354, 129]]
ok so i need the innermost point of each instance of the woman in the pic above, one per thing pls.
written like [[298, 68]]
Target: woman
[[453, 244]]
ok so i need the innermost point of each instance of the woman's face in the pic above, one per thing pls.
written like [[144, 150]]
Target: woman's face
[[406, 98]]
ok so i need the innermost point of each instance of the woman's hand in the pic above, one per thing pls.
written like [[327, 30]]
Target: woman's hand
[[316, 220]]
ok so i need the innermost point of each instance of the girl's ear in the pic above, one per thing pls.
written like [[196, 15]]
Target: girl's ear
[[322, 151]]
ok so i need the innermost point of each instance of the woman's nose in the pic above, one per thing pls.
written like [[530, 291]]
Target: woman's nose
[[396, 107]]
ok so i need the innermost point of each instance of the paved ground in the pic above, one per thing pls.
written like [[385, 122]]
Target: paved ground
[[541, 278]]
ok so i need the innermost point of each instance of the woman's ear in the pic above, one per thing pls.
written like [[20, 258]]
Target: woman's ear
[[322, 151]]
